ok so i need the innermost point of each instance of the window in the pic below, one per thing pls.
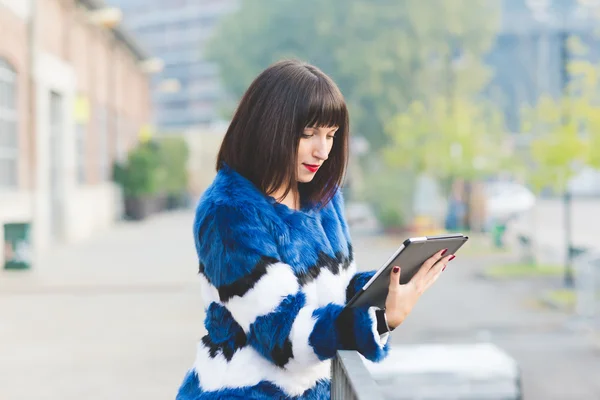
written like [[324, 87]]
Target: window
[[9, 143]]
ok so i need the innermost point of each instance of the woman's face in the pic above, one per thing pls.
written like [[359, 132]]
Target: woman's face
[[313, 150]]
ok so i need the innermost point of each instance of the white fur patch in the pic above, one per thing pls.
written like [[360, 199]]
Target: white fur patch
[[350, 272], [312, 294], [304, 354], [331, 288], [381, 340], [266, 295], [248, 368], [209, 292]]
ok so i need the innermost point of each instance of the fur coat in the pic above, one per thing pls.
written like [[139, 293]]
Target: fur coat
[[274, 283]]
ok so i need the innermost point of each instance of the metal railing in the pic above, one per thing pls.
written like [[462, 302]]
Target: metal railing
[[350, 379]]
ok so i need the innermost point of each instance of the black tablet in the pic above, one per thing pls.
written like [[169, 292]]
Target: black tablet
[[410, 256]]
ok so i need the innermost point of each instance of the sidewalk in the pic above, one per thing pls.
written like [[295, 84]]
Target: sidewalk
[[158, 252], [117, 317]]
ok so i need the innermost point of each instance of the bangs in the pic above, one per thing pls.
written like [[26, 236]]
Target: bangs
[[326, 107]]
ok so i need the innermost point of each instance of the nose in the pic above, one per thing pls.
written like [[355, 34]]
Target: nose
[[321, 149]]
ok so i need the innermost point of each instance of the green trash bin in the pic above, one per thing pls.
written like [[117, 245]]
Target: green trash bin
[[498, 234], [17, 246]]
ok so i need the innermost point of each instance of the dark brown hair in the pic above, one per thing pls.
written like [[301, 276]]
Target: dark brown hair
[[262, 140]]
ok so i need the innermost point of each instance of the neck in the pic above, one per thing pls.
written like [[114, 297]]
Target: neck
[[292, 199]]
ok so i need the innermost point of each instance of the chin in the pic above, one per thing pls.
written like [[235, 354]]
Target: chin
[[305, 179]]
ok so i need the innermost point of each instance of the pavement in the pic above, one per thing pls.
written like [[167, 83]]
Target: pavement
[[115, 317], [118, 317]]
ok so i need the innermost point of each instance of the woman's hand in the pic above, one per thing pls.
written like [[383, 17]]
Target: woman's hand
[[402, 298]]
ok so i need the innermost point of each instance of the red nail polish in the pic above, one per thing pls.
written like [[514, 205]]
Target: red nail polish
[[451, 258], [444, 252], [443, 269], [396, 269]]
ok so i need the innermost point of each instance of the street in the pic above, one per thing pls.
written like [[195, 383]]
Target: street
[[118, 317]]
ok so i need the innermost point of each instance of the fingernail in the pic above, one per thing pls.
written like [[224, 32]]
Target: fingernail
[[396, 269], [451, 257], [443, 269], [444, 251]]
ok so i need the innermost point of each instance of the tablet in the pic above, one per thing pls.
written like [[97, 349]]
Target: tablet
[[410, 256]]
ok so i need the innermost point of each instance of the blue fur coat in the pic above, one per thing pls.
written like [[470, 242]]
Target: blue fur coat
[[274, 282]]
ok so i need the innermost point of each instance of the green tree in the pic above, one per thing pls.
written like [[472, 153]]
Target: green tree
[[564, 132], [450, 139], [384, 54], [467, 142], [557, 147]]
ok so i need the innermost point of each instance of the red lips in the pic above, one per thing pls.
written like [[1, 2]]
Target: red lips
[[311, 168]]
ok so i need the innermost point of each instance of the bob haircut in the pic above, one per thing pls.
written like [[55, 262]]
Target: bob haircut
[[262, 140]]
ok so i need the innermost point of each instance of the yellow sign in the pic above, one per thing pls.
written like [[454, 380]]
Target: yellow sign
[[146, 133], [82, 109]]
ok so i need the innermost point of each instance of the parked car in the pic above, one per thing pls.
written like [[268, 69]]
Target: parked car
[[507, 200]]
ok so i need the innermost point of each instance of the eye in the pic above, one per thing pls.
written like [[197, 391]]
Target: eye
[[331, 137], [308, 133]]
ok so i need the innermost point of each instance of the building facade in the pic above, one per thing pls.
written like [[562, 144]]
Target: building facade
[[73, 97], [187, 93]]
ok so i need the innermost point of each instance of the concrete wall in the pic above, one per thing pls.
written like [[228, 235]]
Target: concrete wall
[[203, 147]]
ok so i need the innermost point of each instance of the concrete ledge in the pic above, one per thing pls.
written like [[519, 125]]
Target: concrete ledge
[[443, 371]]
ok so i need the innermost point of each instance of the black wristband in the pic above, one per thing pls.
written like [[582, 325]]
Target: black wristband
[[382, 326]]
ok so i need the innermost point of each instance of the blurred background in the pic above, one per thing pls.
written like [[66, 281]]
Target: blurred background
[[478, 116]]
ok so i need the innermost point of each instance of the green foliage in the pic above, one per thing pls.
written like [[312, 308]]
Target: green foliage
[[390, 217], [555, 146], [389, 191], [383, 55], [174, 154], [448, 139], [141, 175], [565, 132], [154, 167]]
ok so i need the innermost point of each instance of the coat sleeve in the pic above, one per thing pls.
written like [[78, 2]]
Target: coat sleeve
[[358, 280], [239, 259]]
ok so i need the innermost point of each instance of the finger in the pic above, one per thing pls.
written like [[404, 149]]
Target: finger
[[395, 278], [439, 266], [435, 272], [430, 262], [431, 280]]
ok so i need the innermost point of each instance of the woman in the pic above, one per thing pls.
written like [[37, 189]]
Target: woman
[[275, 255]]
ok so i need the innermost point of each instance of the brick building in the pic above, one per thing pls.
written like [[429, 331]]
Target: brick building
[[74, 95]]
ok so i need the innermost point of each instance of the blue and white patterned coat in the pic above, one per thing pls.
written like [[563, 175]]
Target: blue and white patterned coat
[[274, 281]]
